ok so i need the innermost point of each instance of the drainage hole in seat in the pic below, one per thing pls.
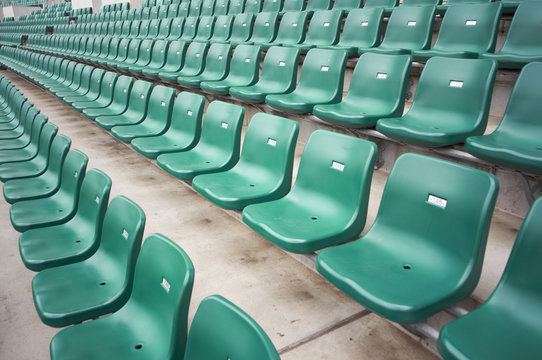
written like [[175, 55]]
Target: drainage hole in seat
[[103, 283], [407, 267], [138, 347]]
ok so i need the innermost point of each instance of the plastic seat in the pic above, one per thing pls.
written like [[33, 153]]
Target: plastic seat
[[191, 63], [216, 67], [122, 52], [450, 3], [208, 8], [317, 214], [241, 29], [264, 29], [121, 93], [143, 57], [377, 90], [236, 7], [42, 132], [520, 46], [195, 8], [425, 249], [144, 29], [272, 6], [451, 103], [154, 27], [515, 144], [156, 120], [173, 61], [253, 6], [388, 5], [317, 5], [205, 28], [136, 110], [95, 83], [176, 29], [164, 29], [235, 334], [291, 29], [221, 7], [154, 320], [410, 28], [80, 87], [244, 70], [421, 2], [320, 82], [466, 31], [131, 56], [21, 136], [292, 5], [347, 5], [278, 76], [324, 30], [157, 59], [222, 30], [105, 94], [264, 171], [183, 132], [190, 28], [505, 326], [101, 284], [218, 147], [57, 208], [75, 240]]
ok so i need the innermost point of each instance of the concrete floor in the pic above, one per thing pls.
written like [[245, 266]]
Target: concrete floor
[[304, 315]]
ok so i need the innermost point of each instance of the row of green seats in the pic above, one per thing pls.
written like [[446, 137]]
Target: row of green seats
[[467, 31], [119, 6], [71, 236]]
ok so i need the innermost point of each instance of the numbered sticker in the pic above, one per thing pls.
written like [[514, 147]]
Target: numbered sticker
[[381, 75], [124, 233], [189, 113], [282, 63], [247, 60], [272, 142], [457, 84], [178, 52], [219, 57], [435, 200], [364, 23], [142, 96], [324, 68], [294, 24], [197, 55], [411, 23], [125, 89], [337, 166], [163, 103], [244, 24], [165, 284], [266, 24], [470, 22], [225, 25], [224, 125], [97, 199], [326, 24]]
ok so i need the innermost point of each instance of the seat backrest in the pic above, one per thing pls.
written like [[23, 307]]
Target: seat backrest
[[221, 7], [57, 154], [245, 62], [380, 80], [122, 91], [323, 71], [293, 5], [221, 127], [269, 145], [144, 28], [122, 50], [217, 60], [205, 28], [190, 28], [236, 7], [524, 30], [162, 11], [381, 3], [134, 28], [145, 51], [160, 106], [265, 27], [176, 28], [222, 28], [186, 118], [242, 27], [139, 97], [175, 56], [459, 88], [421, 2], [324, 27], [347, 5], [410, 27], [133, 51], [165, 26], [114, 47], [154, 26], [208, 7], [76, 76], [166, 300], [126, 28], [253, 6], [469, 27], [461, 2], [108, 85], [314, 5], [158, 55], [458, 200], [272, 6], [73, 172], [235, 334], [292, 28], [95, 83], [184, 8], [46, 136]]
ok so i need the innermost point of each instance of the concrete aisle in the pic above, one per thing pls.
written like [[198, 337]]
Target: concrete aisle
[[305, 316]]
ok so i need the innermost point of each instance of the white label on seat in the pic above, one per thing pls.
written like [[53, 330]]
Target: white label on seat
[[142, 96], [124, 233], [326, 24], [125, 90], [364, 23], [219, 57], [163, 103], [189, 113], [432, 199], [337, 166], [247, 60], [272, 142], [225, 25], [224, 125], [470, 22], [411, 23], [75, 174], [324, 68], [294, 24], [381, 75], [97, 200], [178, 52], [110, 84], [282, 63], [162, 50], [148, 49], [207, 25], [165, 284], [244, 24], [197, 55], [266, 24], [457, 84]]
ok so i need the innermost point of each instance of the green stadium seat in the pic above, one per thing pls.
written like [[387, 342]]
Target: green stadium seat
[[324, 29], [236, 7], [515, 144], [205, 28], [222, 30], [451, 103], [154, 27], [156, 120], [291, 29], [235, 334], [218, 146], [75, 240], [190, 62], [410, 28], [272, 6], [425, 249], [264, 29], [320, 82], [253, 6], [292, 6], [388, 5], [505, 326], [450, 3], [190, 28], [377, 90], [104, 94], [176, 29], [41, 132], [172, 62], [244, 70], [278, 76], [93, 88], [101, 284], [208, 7], [241, 29], [164, 29], [121, 93], [216, 67], [521, 46], [132, 55], [79, 87], [157, 59], [143, 57], [347, 5], [421, 2], [264, 171], [154, 321], [466, 31], [317, 214], [195, 8], [56, 208], [136, 110], [21, 136], [317, 5]]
